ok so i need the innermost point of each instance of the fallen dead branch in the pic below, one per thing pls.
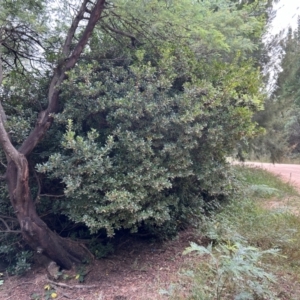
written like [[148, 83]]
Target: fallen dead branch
[[76, 286]]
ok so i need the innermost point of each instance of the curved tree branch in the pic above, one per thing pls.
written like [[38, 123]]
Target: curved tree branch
[[67, 46], [8, 148], [45, 117]]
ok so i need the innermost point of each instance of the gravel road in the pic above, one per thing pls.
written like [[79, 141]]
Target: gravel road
[[288, 172]]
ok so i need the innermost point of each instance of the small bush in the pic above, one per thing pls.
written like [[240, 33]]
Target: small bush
[[14, 259], [22, 263], [101, 250], [263, 191], [232, 271]]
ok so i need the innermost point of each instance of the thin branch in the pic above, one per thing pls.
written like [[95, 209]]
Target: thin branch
[[95, 17], [77, 286], [9, 218], [142, 32], [16, 57], [111, 35], [129, 35], [9, 230], [46, 117], [1, 162], [6, 225], [7, 63], [54, 196], [20, 53], [67, 46]]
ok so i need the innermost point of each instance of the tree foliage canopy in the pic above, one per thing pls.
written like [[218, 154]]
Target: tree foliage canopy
[[288, 92], [161, 94]]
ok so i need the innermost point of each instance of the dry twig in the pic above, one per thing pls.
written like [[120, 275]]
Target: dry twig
[[76, 286]]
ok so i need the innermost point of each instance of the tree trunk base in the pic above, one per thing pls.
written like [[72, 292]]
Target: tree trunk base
[[64, 251]]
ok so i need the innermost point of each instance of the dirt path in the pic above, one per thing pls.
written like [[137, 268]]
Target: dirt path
[[288, 172], [138, 269]]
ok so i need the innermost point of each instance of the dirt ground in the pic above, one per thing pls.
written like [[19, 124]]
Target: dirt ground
[[138, 269]]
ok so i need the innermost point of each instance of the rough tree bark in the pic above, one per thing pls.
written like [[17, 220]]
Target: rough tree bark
[[35, 232]]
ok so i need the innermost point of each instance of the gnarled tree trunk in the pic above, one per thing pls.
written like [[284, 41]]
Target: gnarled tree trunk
[[35, 232]]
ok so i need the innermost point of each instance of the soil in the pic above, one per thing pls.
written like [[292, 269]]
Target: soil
[[138, 269]]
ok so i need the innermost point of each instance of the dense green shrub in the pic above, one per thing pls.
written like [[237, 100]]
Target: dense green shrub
[[139, 149]]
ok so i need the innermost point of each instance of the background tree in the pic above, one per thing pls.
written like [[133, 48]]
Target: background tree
[[281, 114], [287, 93]]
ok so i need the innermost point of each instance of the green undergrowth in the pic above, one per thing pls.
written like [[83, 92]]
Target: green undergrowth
[[254, 249], [292, 159], [249, 177]]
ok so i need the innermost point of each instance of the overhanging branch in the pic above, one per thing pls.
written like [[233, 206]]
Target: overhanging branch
[[67, 45], [123, 33], [52, 196], [45, 118]]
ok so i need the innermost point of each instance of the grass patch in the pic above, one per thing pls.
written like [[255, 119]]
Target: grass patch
[[249, 177], [248, 221], [295, 159], [251, 243]]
